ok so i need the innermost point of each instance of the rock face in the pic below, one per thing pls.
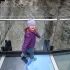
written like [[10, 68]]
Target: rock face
[[58, 32]]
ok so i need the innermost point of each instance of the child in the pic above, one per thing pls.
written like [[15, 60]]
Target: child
[[29, 40]]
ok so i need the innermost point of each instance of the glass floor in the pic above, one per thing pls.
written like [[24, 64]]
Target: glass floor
[[43, 62], [60, 61], [0, 57]]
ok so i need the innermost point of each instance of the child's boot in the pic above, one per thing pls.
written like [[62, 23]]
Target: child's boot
[[33, 59], [23, 55]]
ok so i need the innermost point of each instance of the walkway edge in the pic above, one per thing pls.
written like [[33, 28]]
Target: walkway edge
[[1, 61], [53, 62]]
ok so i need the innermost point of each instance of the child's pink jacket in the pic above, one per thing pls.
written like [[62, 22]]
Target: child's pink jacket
[[29, 39]]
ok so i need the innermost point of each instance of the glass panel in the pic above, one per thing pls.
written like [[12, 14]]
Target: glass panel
[[51, 32], [62, 35], [15, 63], [62, 61], [15, 30]]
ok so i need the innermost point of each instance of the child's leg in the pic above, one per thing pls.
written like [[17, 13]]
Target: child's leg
[[24, 59], [31, 52], [28, 54], [24, 56], [31, 55]]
